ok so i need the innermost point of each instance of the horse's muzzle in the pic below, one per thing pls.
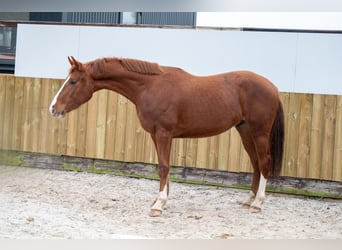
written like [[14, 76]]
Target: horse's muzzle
[[54, 112]]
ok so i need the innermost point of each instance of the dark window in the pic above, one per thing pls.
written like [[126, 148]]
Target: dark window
[[8, 37], [92, 17], [167, 18], [46, 16]]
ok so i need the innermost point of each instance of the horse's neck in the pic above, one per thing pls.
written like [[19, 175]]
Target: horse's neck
[[125, 86]]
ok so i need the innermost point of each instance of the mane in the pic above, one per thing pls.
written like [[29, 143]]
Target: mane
[[138, 66], [97, 65], [141, 67]]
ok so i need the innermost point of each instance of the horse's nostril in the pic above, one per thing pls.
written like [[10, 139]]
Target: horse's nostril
[[52, 110]]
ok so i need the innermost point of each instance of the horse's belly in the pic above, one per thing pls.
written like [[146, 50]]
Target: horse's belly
[[206, 126], [197, 133]]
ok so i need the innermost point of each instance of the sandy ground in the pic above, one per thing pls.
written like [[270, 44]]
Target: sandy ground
[[49, 204]]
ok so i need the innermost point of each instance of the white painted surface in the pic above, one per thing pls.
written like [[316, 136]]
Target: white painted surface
[[295, 62], [283, 19], [41, 50], [319, 64]]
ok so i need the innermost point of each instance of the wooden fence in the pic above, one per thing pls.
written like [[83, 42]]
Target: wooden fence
[[107, 128]]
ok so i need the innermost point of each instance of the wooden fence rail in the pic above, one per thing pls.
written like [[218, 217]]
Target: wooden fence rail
[[107, 128]]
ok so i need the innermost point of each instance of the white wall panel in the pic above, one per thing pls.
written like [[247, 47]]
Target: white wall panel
[[42, 50], [319, 64], [294, 62]]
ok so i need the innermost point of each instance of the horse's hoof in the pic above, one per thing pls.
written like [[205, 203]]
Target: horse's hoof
[[245, 206], [155, 213], [254, 210]]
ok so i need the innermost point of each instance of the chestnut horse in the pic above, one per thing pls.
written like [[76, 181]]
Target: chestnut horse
[[172, 103]]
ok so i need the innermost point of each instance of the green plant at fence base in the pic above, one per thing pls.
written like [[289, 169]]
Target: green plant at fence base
[[303, 192], [70, 167], [10, 158]]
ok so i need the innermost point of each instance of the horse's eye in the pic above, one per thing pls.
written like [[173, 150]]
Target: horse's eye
[[73, 82]]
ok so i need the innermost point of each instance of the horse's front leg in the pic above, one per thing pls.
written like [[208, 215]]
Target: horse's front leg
[[162, 140]]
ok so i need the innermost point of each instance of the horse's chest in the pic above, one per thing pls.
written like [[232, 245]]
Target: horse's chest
[[154, 115]]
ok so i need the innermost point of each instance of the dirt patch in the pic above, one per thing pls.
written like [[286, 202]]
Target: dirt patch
[[40, 203]]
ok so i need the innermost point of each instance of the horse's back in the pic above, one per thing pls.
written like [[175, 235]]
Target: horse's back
[[242, 80]]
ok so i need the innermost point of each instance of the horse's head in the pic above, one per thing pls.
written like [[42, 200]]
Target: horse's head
[[77, 89]]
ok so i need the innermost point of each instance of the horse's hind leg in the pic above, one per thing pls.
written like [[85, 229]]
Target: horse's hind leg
[[249, 146], [264, 162]]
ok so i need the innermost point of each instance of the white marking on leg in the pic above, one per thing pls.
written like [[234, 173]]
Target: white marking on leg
[[56, 96], [260, 196], [249, 199], [161, 199]]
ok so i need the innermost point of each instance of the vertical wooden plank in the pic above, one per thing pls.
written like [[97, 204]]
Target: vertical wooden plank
[[328, 137], [25, 139], [174, 158], [191, 152], [101, 124], [62, 132], [2, 108], [112, 103], [305, 122], [63, 135], [213, 152], [119, 143], [18, 110], [139, 146], [131, 127], [52, 122], [72, 133], [35, 114], [285, 99], [178, 152], [223, 151], [81, 137], [234, 151], [337, 169], [8, 112], [292, 135], [44, 115], [202, 153], [3, 86], [91, 126], [316, 137]]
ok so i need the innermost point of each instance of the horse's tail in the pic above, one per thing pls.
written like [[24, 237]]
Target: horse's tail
[[277, 142]]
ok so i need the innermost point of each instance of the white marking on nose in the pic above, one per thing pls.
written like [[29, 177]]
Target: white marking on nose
[[56, 96]]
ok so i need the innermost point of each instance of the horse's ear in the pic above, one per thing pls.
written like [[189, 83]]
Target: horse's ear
[[70, 60], [75, 63]]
